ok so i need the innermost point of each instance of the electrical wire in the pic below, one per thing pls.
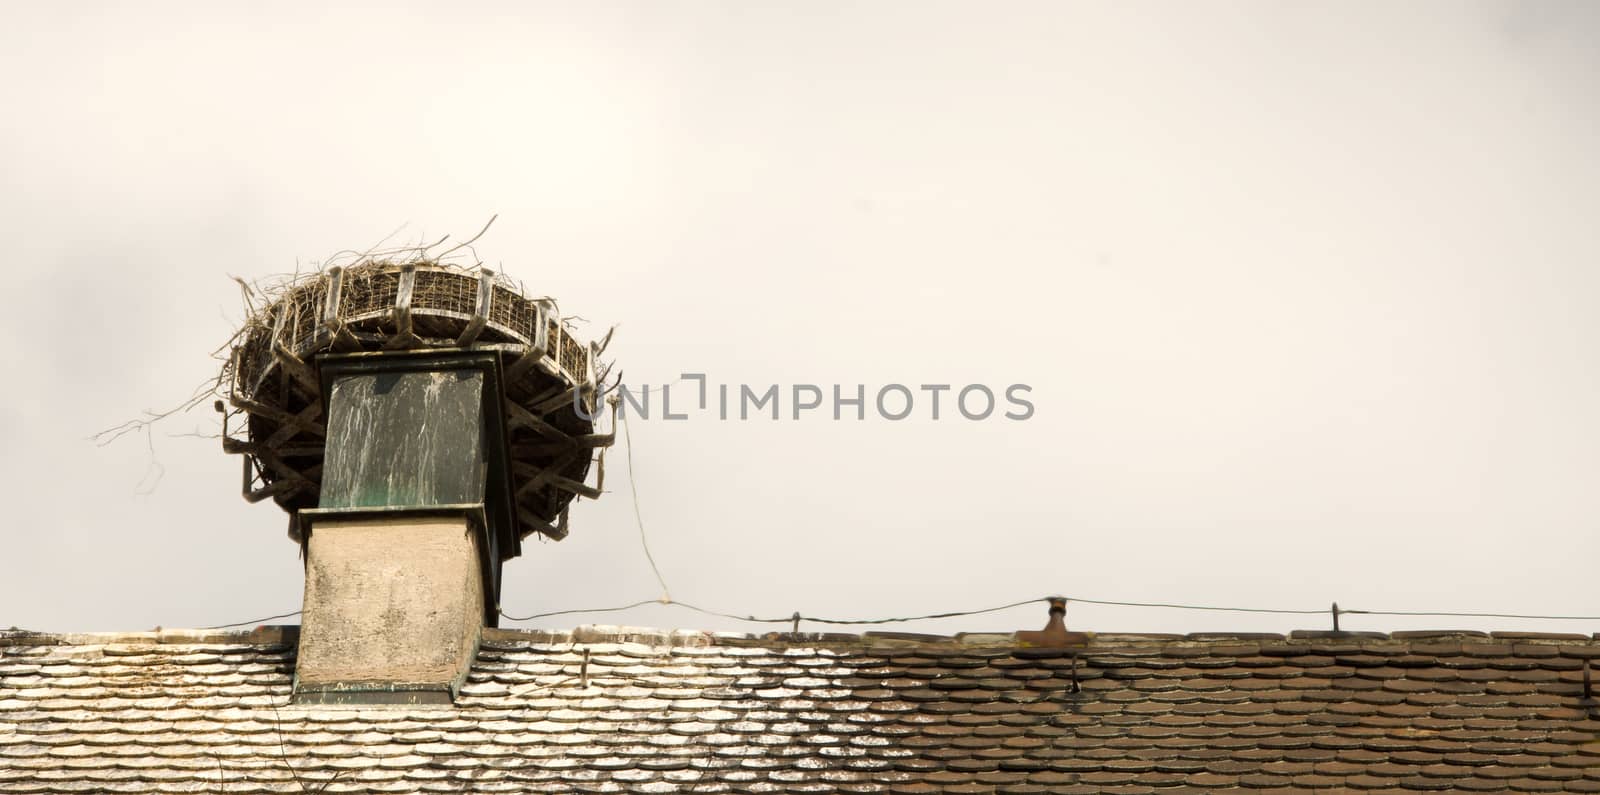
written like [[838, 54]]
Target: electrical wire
[[633, 486], [982, 611], [1070, 599], [783, 620], [894, 620], [641, 603], [1446, 614], [253, 622], [1169, 606], [666, 599]]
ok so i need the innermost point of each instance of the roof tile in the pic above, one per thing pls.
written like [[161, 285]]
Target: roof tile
[[670, 711]]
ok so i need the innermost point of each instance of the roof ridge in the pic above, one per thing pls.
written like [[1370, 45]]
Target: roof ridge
[[280, 634]]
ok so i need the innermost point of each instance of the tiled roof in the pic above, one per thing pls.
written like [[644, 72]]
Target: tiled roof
[[653, 713]]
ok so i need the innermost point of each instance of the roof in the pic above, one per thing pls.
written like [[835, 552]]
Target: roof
[[658, 712]]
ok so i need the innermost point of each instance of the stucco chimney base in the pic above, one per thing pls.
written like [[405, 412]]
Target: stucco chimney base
[[393, 610]]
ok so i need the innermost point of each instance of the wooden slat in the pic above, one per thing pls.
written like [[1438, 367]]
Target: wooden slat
[[539, 476], [480, 310], [303, 422], [330, 304], [519, 417], [538, 346], [405, 335], [568, 484], [563, 397], [297, 369], [276, 414], [555, 532]]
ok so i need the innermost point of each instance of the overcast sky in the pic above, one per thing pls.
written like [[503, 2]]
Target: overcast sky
[[1305, 293]]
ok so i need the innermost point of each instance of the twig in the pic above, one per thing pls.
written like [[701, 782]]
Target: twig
[[387, 238], [530, 689], [194, 434], [208, 388], [283, 754], [160, 470], [470, 240], [283, 750], [245, 295], [222, 779]]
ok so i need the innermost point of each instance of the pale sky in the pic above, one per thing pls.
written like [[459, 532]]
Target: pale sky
[[1305, 293]]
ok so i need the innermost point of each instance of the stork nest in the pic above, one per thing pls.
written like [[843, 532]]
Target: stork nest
[[271, 384]]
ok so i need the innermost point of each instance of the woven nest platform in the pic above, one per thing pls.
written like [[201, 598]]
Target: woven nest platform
[[272, 385]]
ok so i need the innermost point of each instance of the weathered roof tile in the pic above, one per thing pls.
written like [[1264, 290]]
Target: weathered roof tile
[[666, 712]]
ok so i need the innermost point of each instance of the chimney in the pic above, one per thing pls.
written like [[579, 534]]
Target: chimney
[[417, 422]]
